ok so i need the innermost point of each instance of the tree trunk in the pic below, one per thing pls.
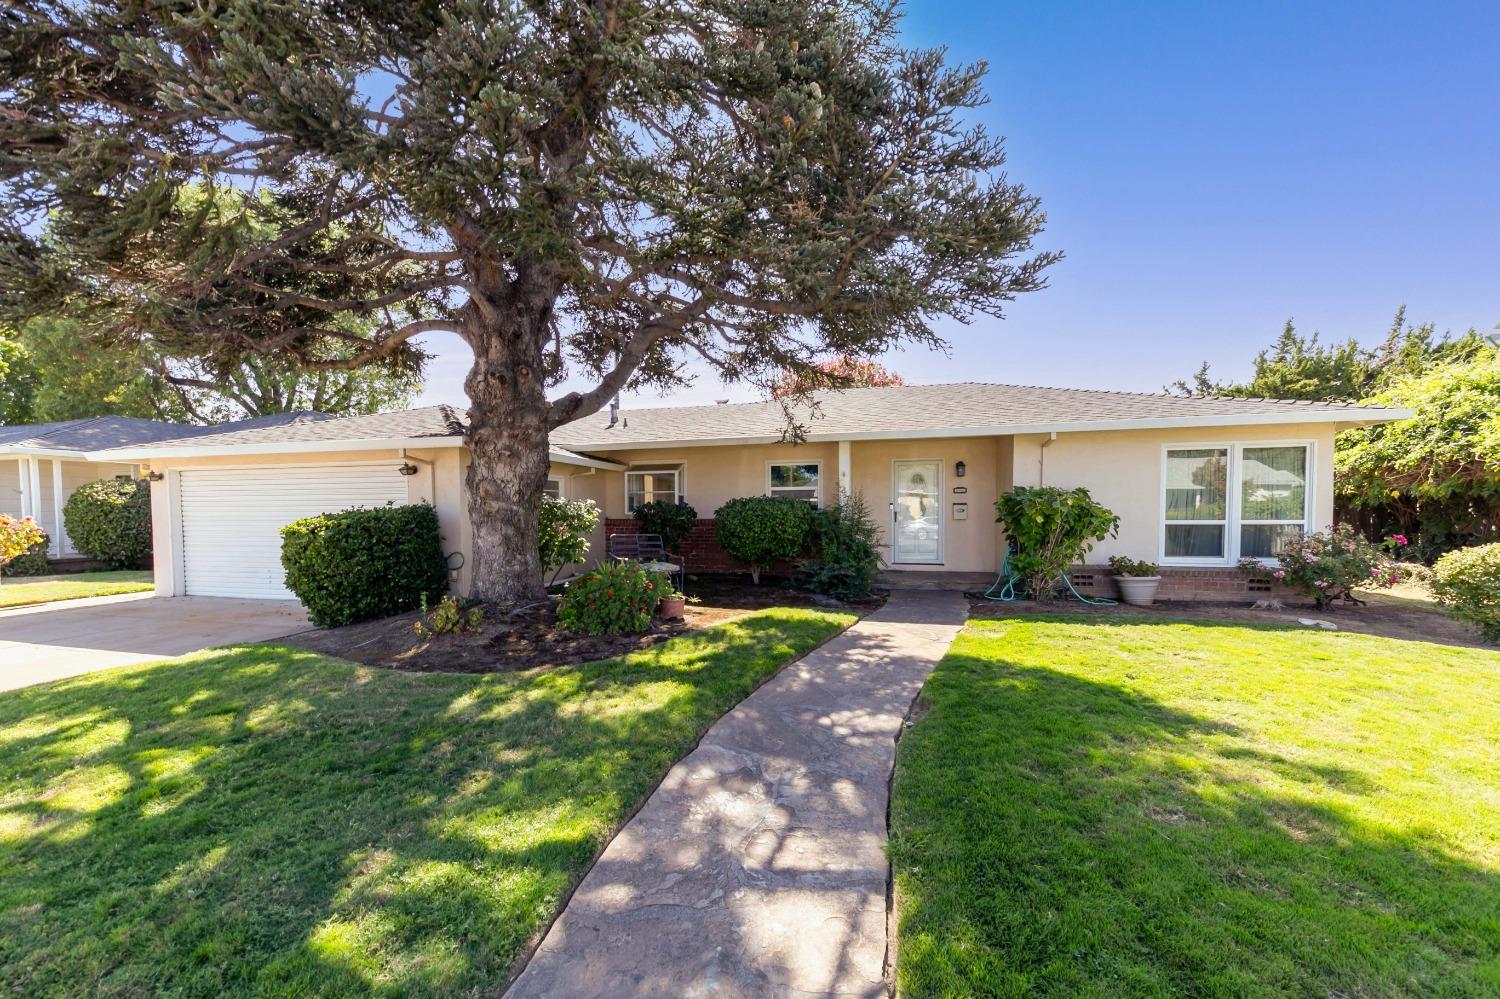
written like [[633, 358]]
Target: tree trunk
[[507, 440]]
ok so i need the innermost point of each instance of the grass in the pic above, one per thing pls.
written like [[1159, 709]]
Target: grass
[[267, 821], [1116, 808], [19, 591]]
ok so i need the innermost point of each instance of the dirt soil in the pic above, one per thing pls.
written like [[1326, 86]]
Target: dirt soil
[[531, 638], [1415, 620]]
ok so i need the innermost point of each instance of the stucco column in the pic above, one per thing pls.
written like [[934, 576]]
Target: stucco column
[[846, 468], [34, 476], [25, 484]]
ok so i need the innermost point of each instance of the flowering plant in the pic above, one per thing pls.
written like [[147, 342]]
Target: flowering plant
[[17, 536], [1328, 565]]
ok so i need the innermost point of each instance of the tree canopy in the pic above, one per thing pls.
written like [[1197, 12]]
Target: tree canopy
[[605, 188]]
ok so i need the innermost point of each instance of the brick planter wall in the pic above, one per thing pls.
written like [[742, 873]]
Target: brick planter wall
[[701, 550], [1223, 585]]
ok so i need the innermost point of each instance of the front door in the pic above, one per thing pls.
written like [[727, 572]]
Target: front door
[[917, 513]]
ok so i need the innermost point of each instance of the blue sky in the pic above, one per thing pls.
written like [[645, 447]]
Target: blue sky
[[1211, 169]]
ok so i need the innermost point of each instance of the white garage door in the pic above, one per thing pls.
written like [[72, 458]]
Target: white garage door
[[232, 518]]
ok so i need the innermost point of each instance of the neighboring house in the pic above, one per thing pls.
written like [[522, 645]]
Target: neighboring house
[[1197, 482], [41, 464]]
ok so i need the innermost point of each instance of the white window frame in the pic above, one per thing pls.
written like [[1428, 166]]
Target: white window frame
[[778, 490], [677, 470], [1233, 487], [562, 485]]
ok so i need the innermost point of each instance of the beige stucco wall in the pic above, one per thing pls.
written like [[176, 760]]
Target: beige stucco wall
[[1123, 470], [714, 475]]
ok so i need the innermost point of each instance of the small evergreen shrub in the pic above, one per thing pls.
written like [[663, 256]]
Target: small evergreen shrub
[[1052, 529], [1328, 565], [19, 536], [615, 598], [673, 521], [110, 520], [451, 616], [363, 564], [1466, 582], [760, 530], [31, 562], [845, 543], [563, 532]]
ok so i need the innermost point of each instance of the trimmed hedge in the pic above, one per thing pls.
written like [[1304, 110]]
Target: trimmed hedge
[[1466, 581], [760, 530], [32, 562], [363, 564], [110, 520], [673, 521]]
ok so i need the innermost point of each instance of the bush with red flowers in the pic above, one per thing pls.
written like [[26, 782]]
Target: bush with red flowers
[[615, 598], [1328, 565]]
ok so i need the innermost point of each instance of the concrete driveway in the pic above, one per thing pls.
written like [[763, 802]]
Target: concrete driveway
[[70, 637]]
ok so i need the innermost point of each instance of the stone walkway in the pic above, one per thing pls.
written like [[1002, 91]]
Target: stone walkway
[[758, 867]]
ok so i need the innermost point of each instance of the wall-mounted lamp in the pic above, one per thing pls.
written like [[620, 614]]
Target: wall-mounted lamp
[[151, 476], [959, 469], [407, 469]]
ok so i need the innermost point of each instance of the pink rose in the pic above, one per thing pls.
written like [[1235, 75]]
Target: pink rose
[[1400, 539], [1279, 573]]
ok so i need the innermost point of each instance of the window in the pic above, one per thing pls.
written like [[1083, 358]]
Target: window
[[554, 487], [798, 480], [652, 485], [1223, 503]]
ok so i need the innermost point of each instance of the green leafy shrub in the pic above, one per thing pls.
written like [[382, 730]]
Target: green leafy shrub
[[110, 520], [363, 564], [1123, 565], [451, 616], [18, 537], [1466, 582], [1052, 529], [672, 521], [760, 530], [31, 562], [563, 534], [1328, 565], [845, 542], [614, 598]]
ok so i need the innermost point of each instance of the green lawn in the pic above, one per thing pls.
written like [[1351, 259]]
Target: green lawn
[[18, 591], [1116, 808], [267, 821]]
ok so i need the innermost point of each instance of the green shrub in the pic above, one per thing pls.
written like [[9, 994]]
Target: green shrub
[[1052, 529], [563, 532], [759, 530], [1466, 582], [110, 520], [31, 562], [19, 536], [451, 616], [363, 564], [846, 550], [1124, 565], [672, 521], [614, 598], [1328, 565]]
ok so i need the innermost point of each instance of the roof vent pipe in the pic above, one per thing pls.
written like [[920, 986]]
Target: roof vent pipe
[[614, 411]]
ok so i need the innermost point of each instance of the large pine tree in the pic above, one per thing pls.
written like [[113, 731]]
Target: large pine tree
[[604, 189]]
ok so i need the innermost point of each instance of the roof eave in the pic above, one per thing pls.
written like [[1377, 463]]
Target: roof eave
[[16, 451], [1349, 416], [147, 452]]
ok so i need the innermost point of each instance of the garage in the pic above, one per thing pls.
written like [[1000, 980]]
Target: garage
[[231, 519]]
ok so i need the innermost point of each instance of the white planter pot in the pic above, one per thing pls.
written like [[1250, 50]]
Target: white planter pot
[[1138, 591]]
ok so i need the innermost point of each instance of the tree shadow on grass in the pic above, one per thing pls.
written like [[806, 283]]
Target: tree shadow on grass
[[267, 820], [1053, 835]]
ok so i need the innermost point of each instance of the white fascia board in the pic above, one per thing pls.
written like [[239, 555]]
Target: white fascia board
[[1350, 417], [148, 452], [584, 461], [42, 452]]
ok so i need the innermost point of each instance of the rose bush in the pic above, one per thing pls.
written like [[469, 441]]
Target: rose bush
[[614, 598], [18, 535], [1328, 565]]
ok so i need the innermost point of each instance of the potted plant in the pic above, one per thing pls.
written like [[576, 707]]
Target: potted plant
[[672, 605], [1137, 580]]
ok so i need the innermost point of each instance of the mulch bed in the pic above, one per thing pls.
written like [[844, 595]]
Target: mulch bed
[[531, 638], [1405, 620]]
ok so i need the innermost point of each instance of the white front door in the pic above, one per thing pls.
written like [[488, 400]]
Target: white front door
[[917, 519]]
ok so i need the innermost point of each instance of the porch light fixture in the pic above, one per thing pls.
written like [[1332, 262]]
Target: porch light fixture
[[407, 468], [151, 476], [959, 469]]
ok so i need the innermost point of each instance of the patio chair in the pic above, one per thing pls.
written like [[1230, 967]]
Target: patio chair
[[648, 550]]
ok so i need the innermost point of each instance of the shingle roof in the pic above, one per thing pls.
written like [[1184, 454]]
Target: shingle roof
[[951, 410], [100, 433], [429, 421]]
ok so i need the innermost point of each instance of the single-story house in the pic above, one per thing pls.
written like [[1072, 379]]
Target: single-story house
[[1197, 482], [41, 464]]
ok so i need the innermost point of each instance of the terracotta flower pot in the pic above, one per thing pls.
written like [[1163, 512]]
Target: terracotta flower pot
[[1138, 591], [672, 606]]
